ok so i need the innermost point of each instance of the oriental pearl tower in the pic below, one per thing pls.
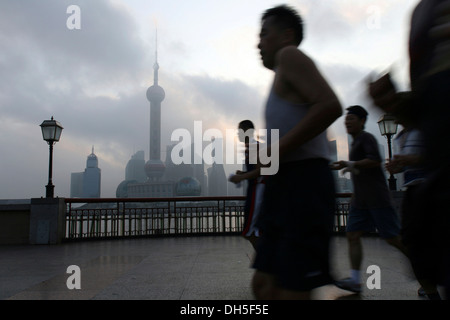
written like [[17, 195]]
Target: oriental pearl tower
[[154, 168]]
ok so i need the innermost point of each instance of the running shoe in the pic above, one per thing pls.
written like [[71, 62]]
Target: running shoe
[[349, 285]]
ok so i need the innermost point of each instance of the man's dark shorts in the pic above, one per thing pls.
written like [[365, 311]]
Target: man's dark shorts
[[385, 220], [296, 225]]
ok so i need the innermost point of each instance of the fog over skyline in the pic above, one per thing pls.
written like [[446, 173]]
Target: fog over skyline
[[94, 80]]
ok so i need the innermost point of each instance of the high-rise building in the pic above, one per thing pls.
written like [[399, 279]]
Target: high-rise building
[[87, 184], [217, 180], [76, 184], [92, 177], [135, 168]]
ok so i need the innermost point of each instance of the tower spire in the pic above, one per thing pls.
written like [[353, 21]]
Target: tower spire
[[156, 45], [155, 95], [156, 65]]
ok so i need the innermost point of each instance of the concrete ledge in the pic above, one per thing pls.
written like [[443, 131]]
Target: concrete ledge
[[14, 221]]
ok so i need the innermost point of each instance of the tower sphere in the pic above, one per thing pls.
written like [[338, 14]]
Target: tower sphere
[[154, 169], [188, 187], [155, 94]]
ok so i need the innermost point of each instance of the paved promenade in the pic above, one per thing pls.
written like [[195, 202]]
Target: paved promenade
[[192, 268]]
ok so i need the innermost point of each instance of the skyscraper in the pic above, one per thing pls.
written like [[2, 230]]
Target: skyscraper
[[217, 180], [135, 167], [92, 177], [87, 184]]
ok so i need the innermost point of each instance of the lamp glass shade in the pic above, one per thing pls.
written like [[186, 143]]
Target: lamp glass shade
[[51, 130], [388, 125]]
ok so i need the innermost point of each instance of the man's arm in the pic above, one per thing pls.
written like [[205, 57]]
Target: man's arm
[[295, 70], [360, 164], [240, 176]]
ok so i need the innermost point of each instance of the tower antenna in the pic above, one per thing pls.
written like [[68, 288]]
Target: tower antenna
[[156, 65], [156, 45]]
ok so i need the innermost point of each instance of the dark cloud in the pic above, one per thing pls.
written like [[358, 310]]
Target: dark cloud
[[49, 66], [82, 77], [228, 98], [108, 34]]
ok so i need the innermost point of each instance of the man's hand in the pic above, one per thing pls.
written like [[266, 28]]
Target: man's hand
[[348, 166], [236, 178], [338, 165], [399, 162]]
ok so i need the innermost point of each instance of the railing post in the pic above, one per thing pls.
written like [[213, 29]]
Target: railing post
[[223, 217]]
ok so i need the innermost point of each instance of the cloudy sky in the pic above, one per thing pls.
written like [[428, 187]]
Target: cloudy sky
[[93, 80]]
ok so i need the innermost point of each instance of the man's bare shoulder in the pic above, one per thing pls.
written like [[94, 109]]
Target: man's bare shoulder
[[291, 55]]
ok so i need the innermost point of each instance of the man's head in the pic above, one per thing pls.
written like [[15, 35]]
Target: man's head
[[244, 134], [281, 26], [355, 120]]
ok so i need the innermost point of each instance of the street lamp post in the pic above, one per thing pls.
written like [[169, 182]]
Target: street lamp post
[[51, 132], [388, 127]]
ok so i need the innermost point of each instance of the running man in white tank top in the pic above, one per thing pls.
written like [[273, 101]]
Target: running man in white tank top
[[298, 208]]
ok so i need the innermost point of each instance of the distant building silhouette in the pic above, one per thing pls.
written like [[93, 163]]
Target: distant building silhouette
[[87, 184], [217, 181], [135, 169], [76, 184]]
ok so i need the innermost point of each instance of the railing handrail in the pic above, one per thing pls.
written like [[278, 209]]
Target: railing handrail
[[177, 199]]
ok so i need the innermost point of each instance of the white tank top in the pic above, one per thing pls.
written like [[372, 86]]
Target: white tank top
[[284, 115]]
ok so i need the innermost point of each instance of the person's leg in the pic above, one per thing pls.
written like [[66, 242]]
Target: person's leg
[[359, 221], [388, 229], [355, 249], [355, 254], [434, 115], [388, 225], [263, 285], [265, 288], [396, 242], [284, 294], [253, 240]]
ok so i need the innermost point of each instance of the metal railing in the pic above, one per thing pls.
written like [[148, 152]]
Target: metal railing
[[118, 218]]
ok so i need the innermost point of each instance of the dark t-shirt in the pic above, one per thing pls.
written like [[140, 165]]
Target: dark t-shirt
[[249, 166], [370, 186]]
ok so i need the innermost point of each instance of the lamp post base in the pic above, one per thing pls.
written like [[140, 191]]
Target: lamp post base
[[49, 190]]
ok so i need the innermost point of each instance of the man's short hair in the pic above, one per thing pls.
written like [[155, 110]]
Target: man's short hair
[[358, 111], [286, 18], [246, 124]]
